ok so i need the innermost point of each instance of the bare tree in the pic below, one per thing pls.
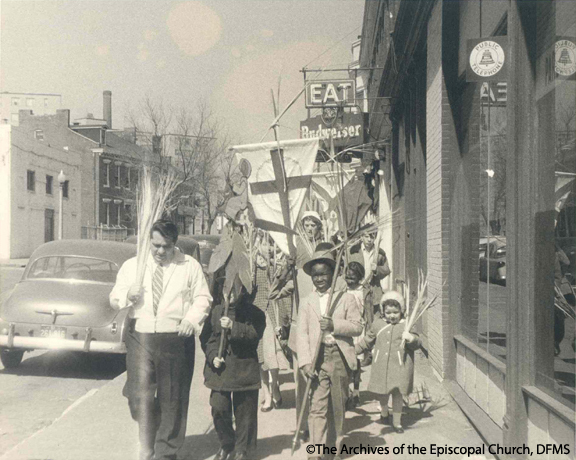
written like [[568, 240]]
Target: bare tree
[[194, 142]]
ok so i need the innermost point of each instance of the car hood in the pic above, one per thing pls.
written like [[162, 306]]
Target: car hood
[[59, 303]]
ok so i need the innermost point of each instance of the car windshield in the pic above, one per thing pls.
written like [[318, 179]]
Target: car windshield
[[73, 268]]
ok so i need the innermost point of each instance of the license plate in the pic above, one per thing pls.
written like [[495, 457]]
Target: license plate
[[53, 332]]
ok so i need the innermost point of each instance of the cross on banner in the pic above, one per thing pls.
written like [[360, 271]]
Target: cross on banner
[[281, 174], [281, 185]]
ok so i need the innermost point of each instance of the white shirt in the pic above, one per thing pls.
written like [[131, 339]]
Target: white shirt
[[323, 299], [368, 260], [358, 294], [185, 296]]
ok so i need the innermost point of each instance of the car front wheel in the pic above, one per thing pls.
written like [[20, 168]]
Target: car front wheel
[[11, 358]]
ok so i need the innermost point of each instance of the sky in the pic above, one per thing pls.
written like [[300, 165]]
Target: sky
[[226, 53]]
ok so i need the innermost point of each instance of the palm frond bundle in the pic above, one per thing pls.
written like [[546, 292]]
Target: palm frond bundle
[[375, 227], [154, 199], [561, 303], [420, 306]]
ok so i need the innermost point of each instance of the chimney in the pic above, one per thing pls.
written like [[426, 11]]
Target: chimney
[[108, 108]]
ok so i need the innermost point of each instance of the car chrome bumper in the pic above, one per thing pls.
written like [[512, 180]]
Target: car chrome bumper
[[37, 343]]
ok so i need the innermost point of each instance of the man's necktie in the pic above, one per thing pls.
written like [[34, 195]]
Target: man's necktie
[[157, 287]]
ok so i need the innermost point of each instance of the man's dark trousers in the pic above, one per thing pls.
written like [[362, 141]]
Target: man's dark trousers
[[159, 374]]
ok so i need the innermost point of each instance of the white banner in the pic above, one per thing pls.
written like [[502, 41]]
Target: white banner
[[278, 183]]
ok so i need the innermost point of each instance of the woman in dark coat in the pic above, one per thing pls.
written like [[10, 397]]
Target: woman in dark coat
[[235, 378]]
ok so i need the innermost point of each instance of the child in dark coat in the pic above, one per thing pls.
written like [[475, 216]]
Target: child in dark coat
[[235, 378], [392, 366]]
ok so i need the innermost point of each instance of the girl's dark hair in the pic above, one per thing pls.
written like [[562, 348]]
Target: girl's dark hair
[[166, 228], [358, 269], [391, 303]]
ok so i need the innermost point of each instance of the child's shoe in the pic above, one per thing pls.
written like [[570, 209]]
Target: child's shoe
[[398, 429], [223, 454]]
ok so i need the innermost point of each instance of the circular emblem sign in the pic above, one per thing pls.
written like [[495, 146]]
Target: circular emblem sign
[[487, 58], [565, 58], [329, 115]]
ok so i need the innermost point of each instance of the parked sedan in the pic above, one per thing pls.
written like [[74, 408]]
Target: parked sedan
[[62, 301]]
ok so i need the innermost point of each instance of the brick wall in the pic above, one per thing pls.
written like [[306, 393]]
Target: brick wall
[[438, 137]]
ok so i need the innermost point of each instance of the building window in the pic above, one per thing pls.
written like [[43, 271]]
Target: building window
[[555, 221], [31, 180], [483, 207], [65, 189], [107, 175], [128, 212], [49, 181], [48, 225], [128, 176], [39, 135], [118, 176], [15, 101], [29, 102], [107, 207], [118, 214]]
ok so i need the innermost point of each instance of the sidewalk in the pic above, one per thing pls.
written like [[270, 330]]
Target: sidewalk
[[13, 262], [98, 426]]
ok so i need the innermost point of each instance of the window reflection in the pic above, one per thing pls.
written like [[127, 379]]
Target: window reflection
[[556, 94], [491, 333]]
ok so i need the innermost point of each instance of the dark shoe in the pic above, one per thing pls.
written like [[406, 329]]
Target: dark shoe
[[277, 404], [385, 420], [304, 436], [222, 454], [399, 429]]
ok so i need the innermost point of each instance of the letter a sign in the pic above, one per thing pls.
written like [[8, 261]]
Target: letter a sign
[[330, 93]]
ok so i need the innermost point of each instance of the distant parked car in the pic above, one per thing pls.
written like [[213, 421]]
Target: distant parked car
[[494, 266], [207, 245], [62, 301]]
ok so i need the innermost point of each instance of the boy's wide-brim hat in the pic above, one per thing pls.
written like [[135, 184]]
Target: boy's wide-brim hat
[[323, 254], [393, 295]]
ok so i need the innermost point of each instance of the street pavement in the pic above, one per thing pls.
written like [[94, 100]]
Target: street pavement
[[98, 425], [58, 413]]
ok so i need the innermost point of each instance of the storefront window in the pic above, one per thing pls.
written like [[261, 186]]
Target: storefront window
[[484, 117], [491, 333], [556, 106]]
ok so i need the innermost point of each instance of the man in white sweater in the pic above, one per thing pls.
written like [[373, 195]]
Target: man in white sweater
[[167, 309]]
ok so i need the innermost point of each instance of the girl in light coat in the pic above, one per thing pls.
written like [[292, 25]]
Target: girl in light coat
[[392, 366]]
